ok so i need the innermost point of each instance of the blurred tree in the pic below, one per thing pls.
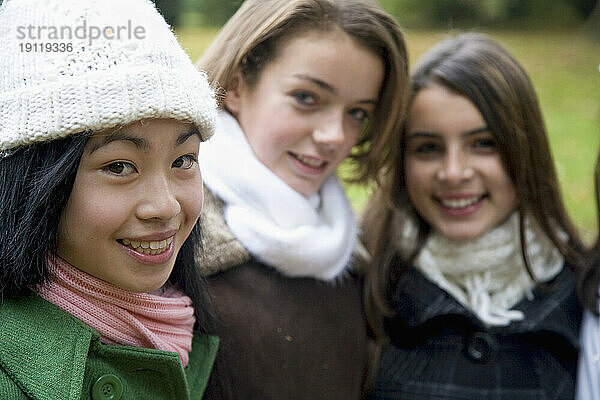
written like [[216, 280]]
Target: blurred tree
[[170, 10], [216, 12], [468, 13], [585, 7], [592, 25], [442, 14]]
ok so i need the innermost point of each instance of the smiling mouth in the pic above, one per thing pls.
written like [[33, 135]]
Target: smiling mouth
[[149, 248], [459, 204], [309, 161]]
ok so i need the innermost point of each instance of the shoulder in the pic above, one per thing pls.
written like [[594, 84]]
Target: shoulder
[[33, 315], [43, 349], [220, 249], [555, 308]]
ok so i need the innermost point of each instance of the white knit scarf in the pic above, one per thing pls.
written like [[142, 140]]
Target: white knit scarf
[[298, 236], [487, 275]]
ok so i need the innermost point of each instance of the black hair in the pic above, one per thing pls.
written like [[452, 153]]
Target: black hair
[[36, 183]]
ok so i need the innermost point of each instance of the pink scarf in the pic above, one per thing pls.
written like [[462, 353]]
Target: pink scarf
[[121, 317]]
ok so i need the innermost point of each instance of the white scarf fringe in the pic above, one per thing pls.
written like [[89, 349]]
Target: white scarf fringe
[[487, 275]]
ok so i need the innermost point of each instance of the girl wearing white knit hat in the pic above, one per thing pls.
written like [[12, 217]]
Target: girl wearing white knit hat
[[472, 285], [102, 116], [307, 83]]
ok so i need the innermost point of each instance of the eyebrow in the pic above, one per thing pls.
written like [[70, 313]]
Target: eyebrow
[[326, 86], [140, 142], [182, 138], [434, 135]]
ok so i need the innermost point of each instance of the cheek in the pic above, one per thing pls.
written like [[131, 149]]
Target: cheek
[[92, 217], [508, 192], [501, 182], [94, 210], [350, 141], [191, 201], [273, 142], [416, 179], [343, 152]]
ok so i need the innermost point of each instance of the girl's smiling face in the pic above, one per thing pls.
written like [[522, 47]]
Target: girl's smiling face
[[136, 196], [454, 174], [308, 107]]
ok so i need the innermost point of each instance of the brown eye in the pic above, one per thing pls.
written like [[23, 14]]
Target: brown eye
[[485, 143], [185, 162], [426, 148], [120, 168]]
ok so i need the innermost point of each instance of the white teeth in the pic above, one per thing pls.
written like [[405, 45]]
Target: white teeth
[[460, 203], [310, 161], [152, 248]]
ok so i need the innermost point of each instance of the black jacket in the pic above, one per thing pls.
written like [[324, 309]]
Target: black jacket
[[440, 350]]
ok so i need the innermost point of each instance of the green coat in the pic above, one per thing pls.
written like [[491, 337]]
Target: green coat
[[46, 353]]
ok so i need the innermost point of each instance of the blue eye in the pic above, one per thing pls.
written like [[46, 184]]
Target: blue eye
[[120, 168], [305, 98], [185, 162]]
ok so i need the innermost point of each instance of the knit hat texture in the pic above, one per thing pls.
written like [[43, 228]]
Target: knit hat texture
[[71, 66]]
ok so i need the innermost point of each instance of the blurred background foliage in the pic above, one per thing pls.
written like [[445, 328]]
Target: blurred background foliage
[[558, 42], [423, 14]]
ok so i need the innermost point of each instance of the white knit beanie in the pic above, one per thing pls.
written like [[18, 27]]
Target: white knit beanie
[[70, 66]]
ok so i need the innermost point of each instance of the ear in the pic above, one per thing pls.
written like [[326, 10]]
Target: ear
[[234, 93]]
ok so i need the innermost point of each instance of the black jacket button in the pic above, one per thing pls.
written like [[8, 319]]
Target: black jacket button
[[481, 346]]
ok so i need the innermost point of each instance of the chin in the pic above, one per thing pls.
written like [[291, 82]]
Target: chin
[[305, 190], [145, 287], [461, 234]]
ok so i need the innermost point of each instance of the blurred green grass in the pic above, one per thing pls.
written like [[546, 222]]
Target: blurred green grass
[[564, 68]]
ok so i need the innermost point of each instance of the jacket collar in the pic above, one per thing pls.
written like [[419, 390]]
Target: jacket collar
[[553, 309], [38, 338], [220, 249]]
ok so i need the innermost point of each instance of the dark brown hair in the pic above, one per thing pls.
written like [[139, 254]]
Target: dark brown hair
[[478, 68], [253, 37]]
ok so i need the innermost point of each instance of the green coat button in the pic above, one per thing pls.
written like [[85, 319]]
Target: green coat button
[[107, 387]]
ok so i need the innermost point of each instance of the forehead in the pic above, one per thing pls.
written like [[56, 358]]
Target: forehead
[[333, 57], [439, 109], [145, 134]]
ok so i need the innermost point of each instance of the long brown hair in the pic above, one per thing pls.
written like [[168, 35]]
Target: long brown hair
[[478, 68], [253, 37]]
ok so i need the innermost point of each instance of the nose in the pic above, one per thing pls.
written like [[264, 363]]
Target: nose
[[330, 132], [159, 200], [455, 168]]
